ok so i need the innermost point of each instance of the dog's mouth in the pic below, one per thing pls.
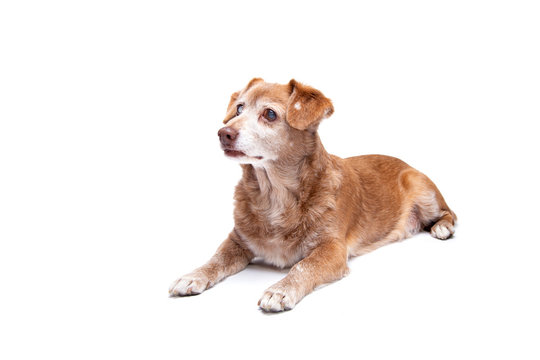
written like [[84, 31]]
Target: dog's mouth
[[235, 153]]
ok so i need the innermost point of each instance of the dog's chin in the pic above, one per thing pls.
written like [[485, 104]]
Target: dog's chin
[[241, 157]]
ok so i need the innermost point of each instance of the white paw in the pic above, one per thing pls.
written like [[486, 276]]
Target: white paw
[[191, 284], [277, 299], [442, 231]]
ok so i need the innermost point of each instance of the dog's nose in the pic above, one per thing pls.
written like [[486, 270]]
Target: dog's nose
[[227, 135]]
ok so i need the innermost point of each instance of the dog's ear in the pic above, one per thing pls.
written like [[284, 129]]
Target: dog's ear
[[252, 82], [306, 106], [231, 110]]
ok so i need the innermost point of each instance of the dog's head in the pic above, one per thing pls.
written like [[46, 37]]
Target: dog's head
[[266, 122]]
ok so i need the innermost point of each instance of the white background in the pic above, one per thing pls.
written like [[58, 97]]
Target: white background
[[112, 183]]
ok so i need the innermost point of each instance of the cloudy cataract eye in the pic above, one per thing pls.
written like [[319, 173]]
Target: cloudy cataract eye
[[271, 115], [239, 109]]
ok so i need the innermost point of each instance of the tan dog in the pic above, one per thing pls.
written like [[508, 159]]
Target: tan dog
[[297, 205]]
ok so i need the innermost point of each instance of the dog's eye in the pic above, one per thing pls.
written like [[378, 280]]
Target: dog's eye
[[270, 114], [239, 109]]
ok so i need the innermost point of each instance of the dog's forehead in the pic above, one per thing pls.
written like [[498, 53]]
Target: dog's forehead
[[275, 93]]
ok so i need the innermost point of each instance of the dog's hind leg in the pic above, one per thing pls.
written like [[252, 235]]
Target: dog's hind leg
[[434, 213], [443, 227], [429, 206]]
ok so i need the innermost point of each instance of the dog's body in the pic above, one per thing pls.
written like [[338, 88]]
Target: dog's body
[[297, 205]]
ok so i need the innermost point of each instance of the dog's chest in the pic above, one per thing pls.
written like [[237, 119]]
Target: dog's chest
[[277, 250], [274, 234], [274, 222]]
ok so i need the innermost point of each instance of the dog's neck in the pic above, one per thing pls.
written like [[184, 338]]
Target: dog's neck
[[285, 179]]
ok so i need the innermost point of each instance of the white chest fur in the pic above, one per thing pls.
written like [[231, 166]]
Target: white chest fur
[[276, 251]]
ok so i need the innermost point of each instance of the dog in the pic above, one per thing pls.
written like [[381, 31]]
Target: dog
[[298, 206]]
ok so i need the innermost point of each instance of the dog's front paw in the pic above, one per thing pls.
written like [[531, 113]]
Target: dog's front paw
[[278, 298], [190, 284]]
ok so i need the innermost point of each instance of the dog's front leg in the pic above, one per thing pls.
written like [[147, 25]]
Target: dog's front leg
[[229, 259], [326, 263]]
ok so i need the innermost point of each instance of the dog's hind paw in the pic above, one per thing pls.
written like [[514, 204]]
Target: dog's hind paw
[[442, 230]]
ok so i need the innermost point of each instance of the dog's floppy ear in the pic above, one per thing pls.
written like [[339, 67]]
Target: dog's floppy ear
[[306, 106]]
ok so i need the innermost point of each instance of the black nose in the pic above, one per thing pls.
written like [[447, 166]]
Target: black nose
[[227, 135]]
